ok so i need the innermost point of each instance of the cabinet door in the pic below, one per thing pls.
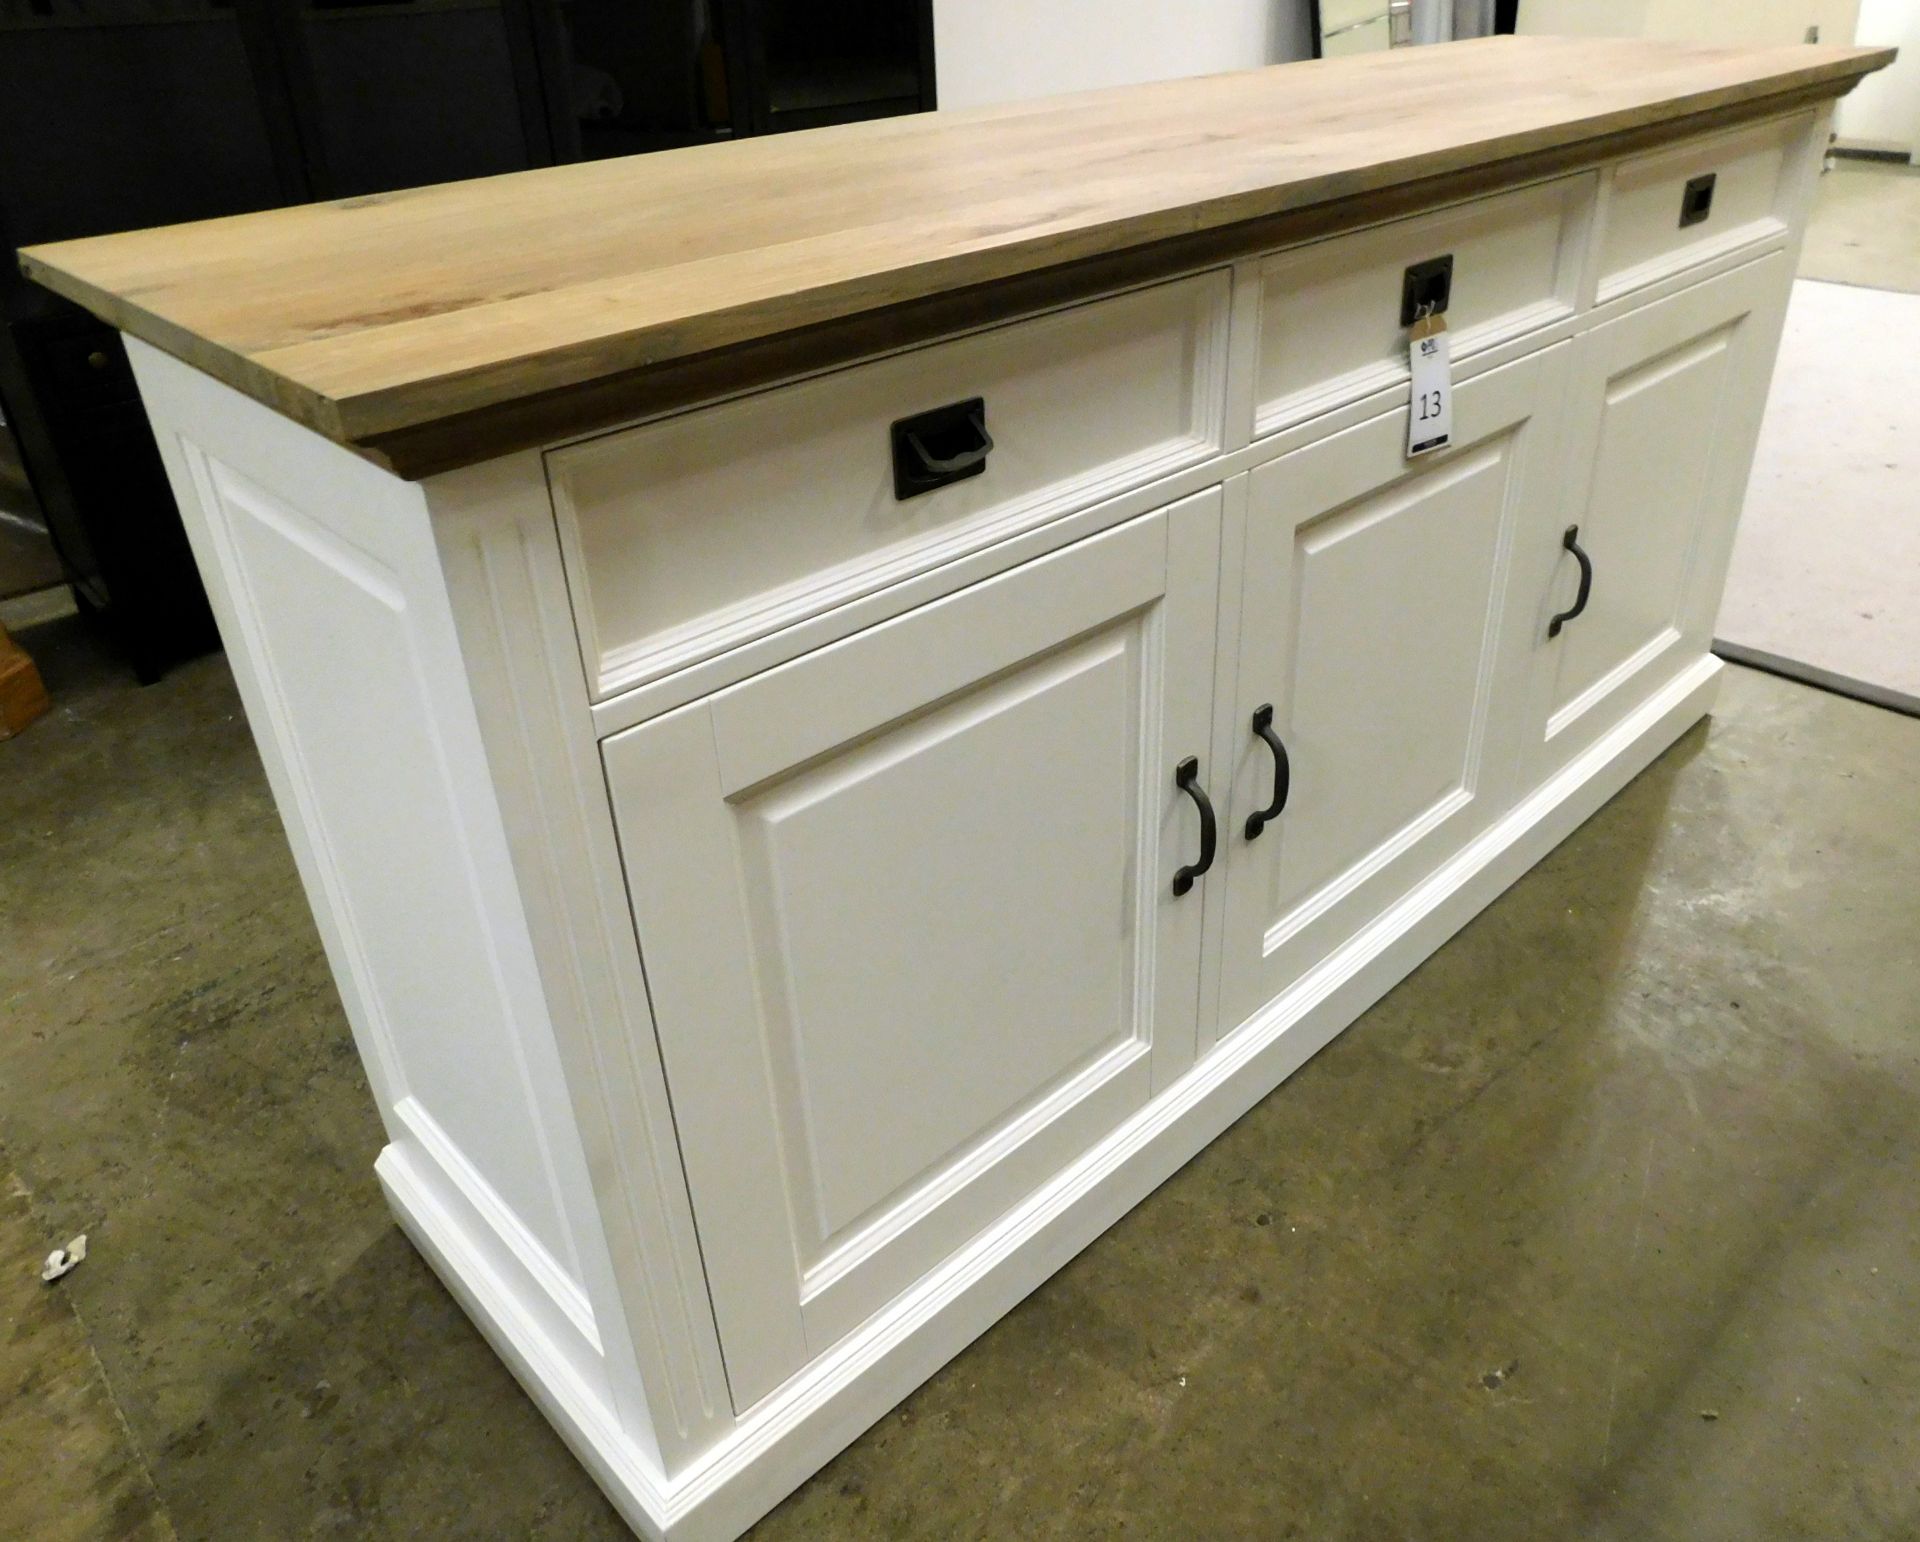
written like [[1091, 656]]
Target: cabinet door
[[1370, 594], [1664, 409], [906, 911]]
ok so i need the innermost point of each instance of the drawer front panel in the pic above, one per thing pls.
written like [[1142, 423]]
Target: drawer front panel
[[1330, 313], [694, 534], [1662, 216]]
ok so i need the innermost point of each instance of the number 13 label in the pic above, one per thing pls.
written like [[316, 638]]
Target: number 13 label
[[1430, 413]]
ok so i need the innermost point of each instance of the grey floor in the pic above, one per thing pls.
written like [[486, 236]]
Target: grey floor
[[1604, 1224], [1825, 581], [1866, 226], [1826, 568]]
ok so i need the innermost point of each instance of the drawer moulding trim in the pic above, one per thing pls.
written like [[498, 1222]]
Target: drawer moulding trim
[[1528, 325], [660, 654], [828, 623], [1770, 231], [615, 667]]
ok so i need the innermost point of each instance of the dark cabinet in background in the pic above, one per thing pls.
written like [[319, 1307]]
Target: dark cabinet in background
[[117, 114], [815, 65], [113, 115], [760, 66], [393, 95]]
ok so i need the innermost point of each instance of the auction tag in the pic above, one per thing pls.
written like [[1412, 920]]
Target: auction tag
[[1430, 420]]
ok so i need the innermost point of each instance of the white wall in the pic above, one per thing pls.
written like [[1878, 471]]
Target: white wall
[[1008, 50], [1747, 23], [1883, 112]]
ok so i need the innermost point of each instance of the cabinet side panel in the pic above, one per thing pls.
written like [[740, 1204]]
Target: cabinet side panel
[[321, 572], [1709, 578]]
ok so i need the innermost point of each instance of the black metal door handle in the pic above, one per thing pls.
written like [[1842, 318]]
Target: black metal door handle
[[1282, 773], [1186, 777], [1572, 543]]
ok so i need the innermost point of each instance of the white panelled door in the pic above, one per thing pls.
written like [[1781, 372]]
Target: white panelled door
[[1371, 653], [1663, 411], [908, 920]]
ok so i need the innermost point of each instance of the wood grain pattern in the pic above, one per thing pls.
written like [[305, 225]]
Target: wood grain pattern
[[22, 697], [374, 317], [545, 417]]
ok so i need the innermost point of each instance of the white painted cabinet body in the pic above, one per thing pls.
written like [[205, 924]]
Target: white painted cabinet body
[[807, 975]]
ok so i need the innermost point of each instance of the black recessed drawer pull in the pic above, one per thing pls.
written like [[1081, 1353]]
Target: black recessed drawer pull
[[945, 445], [1696, 203], [1282, 773], [1571, 541], [1426, 289], [1186, 777]]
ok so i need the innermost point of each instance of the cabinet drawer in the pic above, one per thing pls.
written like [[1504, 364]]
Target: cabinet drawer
[[693, 534], [1330, 313], [1679, 207]]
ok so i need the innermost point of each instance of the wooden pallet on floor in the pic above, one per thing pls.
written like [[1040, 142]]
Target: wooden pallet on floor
[[22, 697]]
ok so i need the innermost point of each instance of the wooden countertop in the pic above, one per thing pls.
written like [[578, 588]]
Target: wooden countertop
[[381, 321]]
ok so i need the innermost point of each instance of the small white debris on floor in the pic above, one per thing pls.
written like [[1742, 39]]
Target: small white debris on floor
[[63, 1260]]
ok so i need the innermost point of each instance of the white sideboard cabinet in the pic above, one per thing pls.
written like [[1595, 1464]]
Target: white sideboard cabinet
[[846, 702]]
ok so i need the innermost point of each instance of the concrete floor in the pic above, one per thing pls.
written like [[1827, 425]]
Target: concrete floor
[[1606, 1223]]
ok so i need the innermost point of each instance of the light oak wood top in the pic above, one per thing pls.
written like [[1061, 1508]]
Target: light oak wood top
[[382, 316]]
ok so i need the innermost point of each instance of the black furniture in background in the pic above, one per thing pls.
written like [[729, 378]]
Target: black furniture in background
[[118, 114]]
